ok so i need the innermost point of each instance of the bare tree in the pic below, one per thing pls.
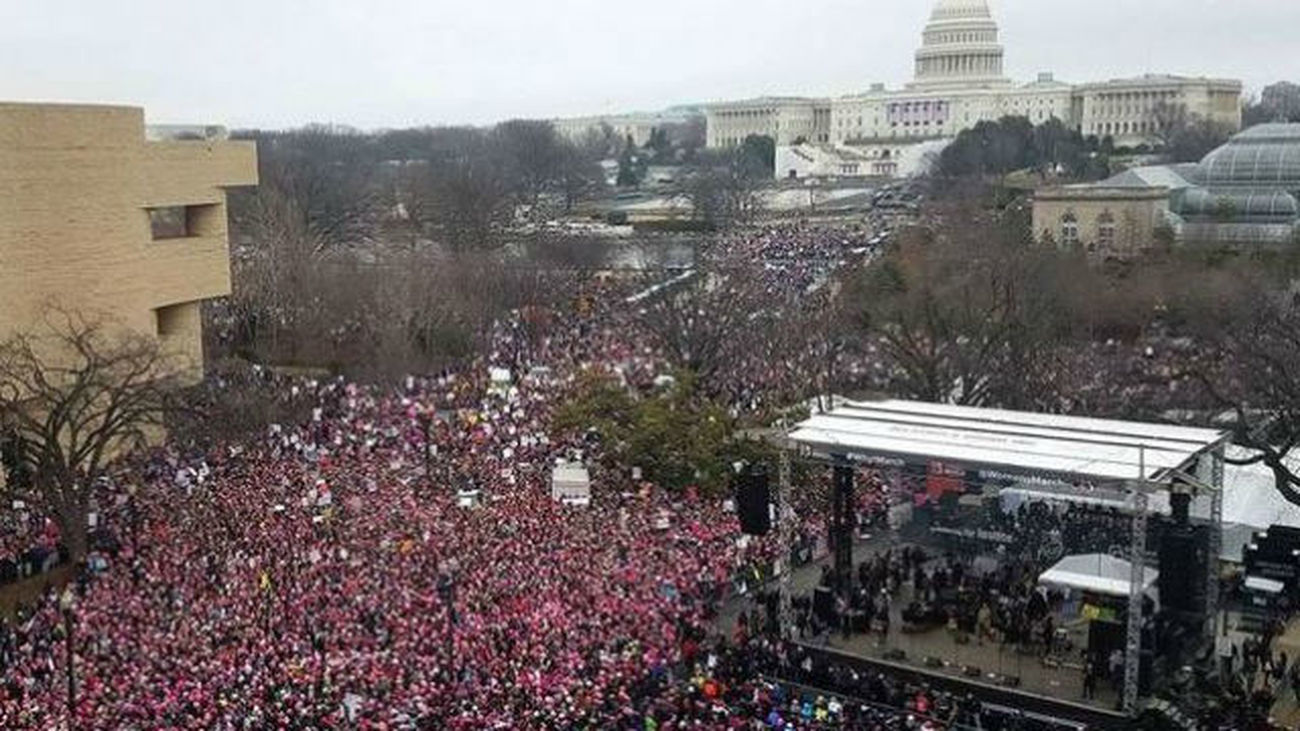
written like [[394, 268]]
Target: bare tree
[[968, 313], [580, 174], [1169, 120], [535, 155], [1254, 375], [1186, 137], [703, 320], [722, 198], [324, 176], [72, 401], [466, 189]]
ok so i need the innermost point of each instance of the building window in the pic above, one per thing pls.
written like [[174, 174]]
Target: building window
[[1070, 230], [168, 223], [170, 322], [1106, 231], [180, 222]]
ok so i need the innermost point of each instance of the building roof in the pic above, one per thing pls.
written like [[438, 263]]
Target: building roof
[[1173, 177], [1100, 192], [764, 100], [1264, 155], [1065, 447]]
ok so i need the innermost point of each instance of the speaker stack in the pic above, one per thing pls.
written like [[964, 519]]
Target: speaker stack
[[1183, 562], [1182, 570], [753, 498]]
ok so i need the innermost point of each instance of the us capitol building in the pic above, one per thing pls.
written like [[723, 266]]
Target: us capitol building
[[958, 83]]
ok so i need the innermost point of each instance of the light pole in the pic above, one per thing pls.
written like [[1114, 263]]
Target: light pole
[[447, 590], [426, 423], [68, 603]]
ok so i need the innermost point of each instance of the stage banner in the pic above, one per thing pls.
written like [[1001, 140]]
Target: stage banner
[[941, 478]]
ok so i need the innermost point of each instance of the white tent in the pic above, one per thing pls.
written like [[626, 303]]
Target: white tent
[[1251, 503], [571, 484], [1096, 572]]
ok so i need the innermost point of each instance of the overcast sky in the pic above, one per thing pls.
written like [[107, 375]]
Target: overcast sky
[[389, 63]]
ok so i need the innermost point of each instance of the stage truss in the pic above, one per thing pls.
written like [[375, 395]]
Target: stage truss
[[1198, 468]]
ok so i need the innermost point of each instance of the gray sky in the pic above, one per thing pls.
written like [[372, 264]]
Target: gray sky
[[388, 63]]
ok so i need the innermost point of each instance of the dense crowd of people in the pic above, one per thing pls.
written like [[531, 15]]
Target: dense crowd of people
[[394, 560], [318, 576]]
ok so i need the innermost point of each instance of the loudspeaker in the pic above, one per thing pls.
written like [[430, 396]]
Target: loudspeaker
[[752, 500], [1182, 570]]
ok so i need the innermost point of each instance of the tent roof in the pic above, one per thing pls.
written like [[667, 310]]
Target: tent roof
[[1062, 446], [1250, 495], [1098, 572]]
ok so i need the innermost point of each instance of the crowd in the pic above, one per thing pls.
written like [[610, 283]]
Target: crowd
[[318, 576], [325, 573], [1043, 532]]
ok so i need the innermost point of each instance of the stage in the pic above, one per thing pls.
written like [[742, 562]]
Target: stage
[[1053, 691], [995, 661], [1061, 711]]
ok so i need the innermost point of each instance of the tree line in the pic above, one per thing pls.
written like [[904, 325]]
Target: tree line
[[1011, 144]]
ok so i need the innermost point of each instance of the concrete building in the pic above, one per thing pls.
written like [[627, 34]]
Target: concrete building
[[1243, 194], [96, 218], [637, 126], [958, 82]]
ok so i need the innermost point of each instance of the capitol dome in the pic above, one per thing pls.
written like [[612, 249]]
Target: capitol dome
[[959, 48], [951, 9]]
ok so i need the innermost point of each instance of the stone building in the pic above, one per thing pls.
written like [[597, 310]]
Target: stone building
[[958, 82], [96, 218], [1126, 110], [1106, 221], [787, 120]]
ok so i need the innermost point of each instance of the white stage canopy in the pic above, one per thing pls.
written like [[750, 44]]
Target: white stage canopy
[[1097, 572], [1066, 447]]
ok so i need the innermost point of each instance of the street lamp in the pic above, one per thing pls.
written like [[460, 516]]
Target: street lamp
[[447, 571], [68, 603], [426, 423]]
